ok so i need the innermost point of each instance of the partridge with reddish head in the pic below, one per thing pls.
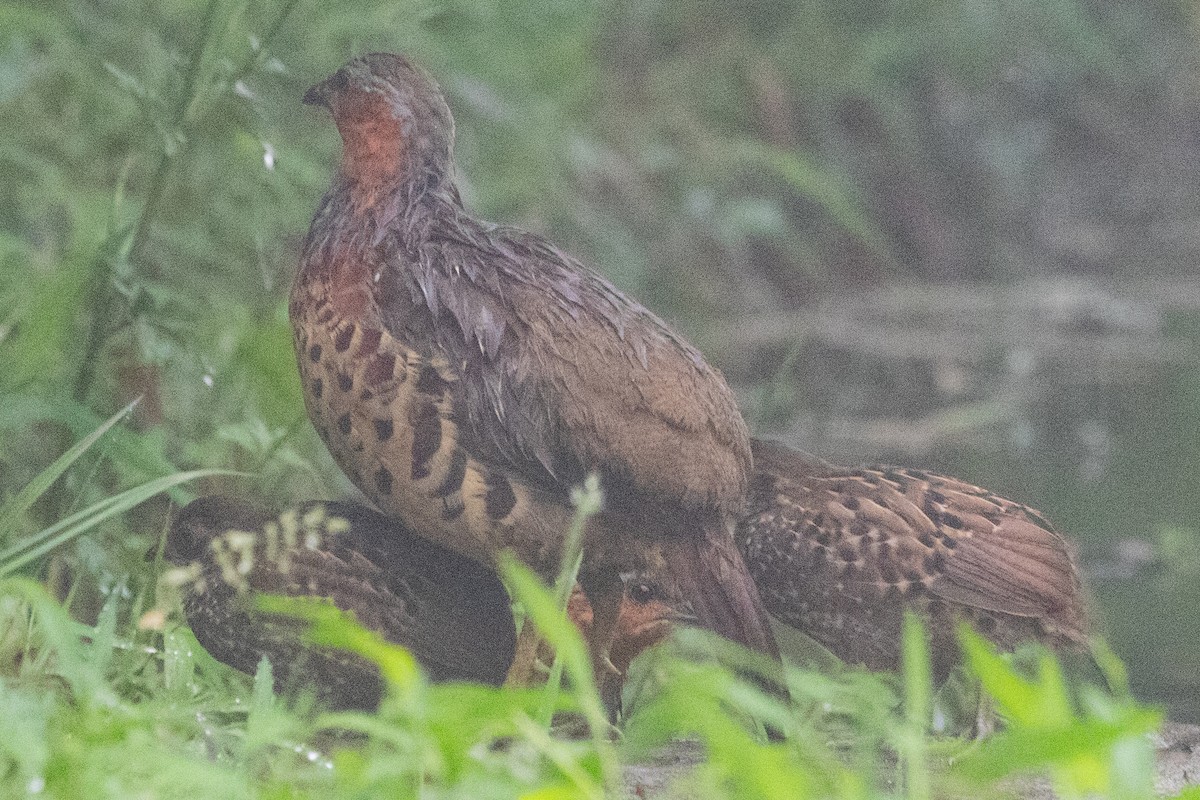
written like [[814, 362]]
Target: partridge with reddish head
[[646, 619], [840, 554], [466, 376]]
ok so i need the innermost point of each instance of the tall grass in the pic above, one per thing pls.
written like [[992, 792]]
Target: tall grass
[[110, 710]]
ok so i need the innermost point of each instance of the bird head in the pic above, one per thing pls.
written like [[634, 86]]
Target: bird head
[[648, 614], [195, 526], [394, 123]]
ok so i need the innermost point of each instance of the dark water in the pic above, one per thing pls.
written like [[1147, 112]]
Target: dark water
[[1093, 419], [1129, 495]]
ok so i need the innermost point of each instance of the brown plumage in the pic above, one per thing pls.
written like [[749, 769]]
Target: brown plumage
[[450, 612], [646, 619], [466, 376], [841, 553]]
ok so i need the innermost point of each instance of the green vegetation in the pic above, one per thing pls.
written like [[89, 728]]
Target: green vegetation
[[158, 172], [112, 711], [126, 706]]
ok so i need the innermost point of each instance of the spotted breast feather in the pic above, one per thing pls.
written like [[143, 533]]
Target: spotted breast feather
[[467, 376]]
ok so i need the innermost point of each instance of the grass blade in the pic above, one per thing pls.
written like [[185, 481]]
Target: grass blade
[[918, 700], [11, 512], [46, 540]]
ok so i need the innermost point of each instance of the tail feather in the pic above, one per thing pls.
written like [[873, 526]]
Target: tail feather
[[711, 577]]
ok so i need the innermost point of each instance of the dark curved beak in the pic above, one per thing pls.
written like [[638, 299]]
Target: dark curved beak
[[683, 614]]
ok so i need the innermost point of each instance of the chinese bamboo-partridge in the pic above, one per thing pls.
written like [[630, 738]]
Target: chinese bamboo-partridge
[[449, 611], [466, 375]]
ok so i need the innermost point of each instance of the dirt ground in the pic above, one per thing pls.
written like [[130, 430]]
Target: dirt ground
[[1177, 746]]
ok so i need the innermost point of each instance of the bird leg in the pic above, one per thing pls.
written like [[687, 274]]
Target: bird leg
[[524, 666], [605, 590]]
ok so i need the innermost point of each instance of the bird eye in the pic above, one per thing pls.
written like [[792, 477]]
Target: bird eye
[[641, 593]]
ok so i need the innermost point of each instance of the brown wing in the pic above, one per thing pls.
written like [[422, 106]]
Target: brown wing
[[560, 374], [848, 549], [221, 616]]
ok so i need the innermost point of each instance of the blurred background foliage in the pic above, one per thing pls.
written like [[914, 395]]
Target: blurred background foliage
[[956, 235]]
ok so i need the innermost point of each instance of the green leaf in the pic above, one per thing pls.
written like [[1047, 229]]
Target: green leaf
[[918, 696], [46, 540], [104, 635], [329, 626], [544, 610], [64, 637], [817, 183], [262, 699], [1037, 704], [1082, 745], [12, 511], [179, 663]]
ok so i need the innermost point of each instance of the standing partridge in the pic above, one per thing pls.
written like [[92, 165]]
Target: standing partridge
[[466, 375]]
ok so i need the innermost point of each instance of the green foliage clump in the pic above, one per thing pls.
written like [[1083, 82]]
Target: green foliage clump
[[112, 710]]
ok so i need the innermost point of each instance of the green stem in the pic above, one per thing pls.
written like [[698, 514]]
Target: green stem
[[136, 238], [179, 127], [101, 287], [255, 55], [918, 702]]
